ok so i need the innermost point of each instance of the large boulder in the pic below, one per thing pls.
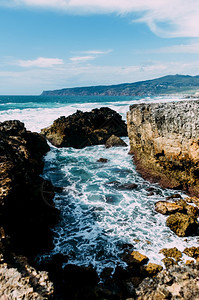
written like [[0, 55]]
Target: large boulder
[[85, 128], [182, 225]]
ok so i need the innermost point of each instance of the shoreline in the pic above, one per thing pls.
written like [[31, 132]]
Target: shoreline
[[120, 274]]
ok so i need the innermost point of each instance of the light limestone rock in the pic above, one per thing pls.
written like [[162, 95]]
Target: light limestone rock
[[164, 138]]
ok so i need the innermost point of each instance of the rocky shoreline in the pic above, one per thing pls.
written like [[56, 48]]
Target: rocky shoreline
[[27, 214], [164, 141]]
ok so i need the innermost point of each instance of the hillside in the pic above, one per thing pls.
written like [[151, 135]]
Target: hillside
[[164, 85]]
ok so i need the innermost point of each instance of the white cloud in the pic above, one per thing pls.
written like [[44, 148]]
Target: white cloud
[[169, 18], [40, 62], [78, 59], [183, 48]]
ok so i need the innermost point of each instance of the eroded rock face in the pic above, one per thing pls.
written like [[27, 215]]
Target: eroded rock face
[[21, 281], [26, 200], [177, 282], [164, 140], [85, 129]]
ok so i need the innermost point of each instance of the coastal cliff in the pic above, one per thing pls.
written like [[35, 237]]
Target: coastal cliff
[[26, 213], [164, 139]]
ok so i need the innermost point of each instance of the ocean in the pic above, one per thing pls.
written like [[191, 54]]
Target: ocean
[[97, 218]]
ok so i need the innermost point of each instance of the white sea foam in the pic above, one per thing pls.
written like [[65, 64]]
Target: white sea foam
[[104, 217], [40, 117]]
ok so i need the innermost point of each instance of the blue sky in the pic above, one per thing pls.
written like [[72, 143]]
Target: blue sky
[[52, 44]]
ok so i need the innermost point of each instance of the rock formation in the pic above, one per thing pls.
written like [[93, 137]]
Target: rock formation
[[27, 212], [115, 141], [164, 139], [26, 200], [177, 282], [85, 129]]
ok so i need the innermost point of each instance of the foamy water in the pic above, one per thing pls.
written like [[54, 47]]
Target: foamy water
[[97, 218]]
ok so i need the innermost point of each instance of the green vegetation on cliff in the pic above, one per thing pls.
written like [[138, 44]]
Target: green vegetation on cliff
[[164, 85]]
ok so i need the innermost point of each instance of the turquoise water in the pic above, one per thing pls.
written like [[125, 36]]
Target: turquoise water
[[97, 217]]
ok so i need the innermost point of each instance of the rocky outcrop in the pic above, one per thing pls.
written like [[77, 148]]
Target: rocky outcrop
[[115, 141], [164, 139], [85, 129], [166, 208], [26, 213], [26, 200], [177, 282], [182, 225], [22, 281]]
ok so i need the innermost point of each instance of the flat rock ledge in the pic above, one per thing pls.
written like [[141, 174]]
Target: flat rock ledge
[[85, 128], [164, 141]]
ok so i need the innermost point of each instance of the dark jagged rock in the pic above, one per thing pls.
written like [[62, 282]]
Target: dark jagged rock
[[26, 200], [102, 160], [26, 213], [115, 141], [85, 129]]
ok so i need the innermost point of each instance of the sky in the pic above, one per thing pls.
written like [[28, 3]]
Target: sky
[[54, 44]]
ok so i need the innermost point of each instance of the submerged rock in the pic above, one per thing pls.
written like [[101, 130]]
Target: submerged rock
[[182, 225], [85, 129], [115, 141], [102, 160], [128, 186]]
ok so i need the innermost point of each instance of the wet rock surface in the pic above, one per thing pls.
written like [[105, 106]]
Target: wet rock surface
[[85, 129], [171, 252], [167, 208], [164, 141], [182, 225], [115, 141]]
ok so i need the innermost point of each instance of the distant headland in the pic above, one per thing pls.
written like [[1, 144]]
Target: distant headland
[[169, 84]]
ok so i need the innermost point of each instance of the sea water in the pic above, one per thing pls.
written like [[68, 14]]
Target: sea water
[[97, 217]]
